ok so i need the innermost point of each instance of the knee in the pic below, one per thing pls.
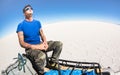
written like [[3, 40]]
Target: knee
[[59, 43], [42, 56]]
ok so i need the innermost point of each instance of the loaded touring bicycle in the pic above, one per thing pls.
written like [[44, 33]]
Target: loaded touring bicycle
[[24, 66]]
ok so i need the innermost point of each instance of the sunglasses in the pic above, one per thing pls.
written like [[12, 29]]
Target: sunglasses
[[28, 8]]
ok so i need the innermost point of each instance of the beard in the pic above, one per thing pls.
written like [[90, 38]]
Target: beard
[[29, 15]]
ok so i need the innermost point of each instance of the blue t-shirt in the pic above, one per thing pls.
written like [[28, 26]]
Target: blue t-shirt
[[31, 31]]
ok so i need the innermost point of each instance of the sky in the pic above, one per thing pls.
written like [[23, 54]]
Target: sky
[[50, 11]]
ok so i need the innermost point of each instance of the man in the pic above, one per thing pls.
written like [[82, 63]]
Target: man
[[32, 38]]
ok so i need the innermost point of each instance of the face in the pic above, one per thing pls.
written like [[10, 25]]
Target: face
[[28, 12]]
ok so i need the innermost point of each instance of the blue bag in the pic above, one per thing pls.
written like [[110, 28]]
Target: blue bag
[[90, 73], [67, 72], [52, 72]]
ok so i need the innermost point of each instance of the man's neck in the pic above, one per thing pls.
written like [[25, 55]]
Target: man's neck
[[29, 19]]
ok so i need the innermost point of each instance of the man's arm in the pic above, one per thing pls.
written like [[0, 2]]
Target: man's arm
[[21, 40], [43, 37], [26, 45]]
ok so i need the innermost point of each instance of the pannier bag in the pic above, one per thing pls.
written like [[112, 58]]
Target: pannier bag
[[70, 72]]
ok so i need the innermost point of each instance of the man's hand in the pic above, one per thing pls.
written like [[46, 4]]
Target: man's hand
[[45, 45], [41, 46], [38, 47]]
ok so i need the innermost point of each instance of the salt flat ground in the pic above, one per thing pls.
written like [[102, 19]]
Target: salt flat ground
[[88, 41]]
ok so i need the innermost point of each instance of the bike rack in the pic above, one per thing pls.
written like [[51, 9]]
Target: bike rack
[[81, 65]]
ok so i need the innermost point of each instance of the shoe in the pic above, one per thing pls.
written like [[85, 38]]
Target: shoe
[[55, 66], [46, 69], [40, 72]]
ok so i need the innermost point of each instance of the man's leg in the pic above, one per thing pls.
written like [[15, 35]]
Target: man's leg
[[39, 58], [56, 47]]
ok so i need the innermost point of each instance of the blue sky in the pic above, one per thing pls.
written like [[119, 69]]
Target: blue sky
[[50, 11]]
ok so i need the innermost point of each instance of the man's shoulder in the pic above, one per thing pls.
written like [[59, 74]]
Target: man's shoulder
[[36, 20], [22, 22]]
